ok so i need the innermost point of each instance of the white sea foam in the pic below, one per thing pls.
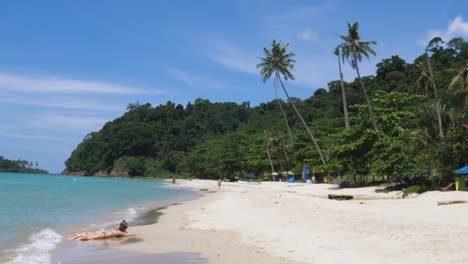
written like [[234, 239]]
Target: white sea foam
[[38, 250]]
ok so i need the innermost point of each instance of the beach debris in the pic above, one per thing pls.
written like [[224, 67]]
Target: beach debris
[[452, 202], [392, 188], [448, 187], [340, 197]]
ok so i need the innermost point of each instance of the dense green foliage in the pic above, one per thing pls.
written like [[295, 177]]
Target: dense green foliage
[[7, 165], [212, 140]]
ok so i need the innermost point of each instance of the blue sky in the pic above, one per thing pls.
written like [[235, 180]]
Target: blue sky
[[67, 67]]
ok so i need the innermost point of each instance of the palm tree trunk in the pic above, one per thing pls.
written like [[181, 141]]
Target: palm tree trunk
[[302, 120], [282, 111], [343, 95], [436, 99], [465, 88], [367, 98], [268, 151], [285, 155]]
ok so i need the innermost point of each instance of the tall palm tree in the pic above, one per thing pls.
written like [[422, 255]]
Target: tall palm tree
[[278, 62], [343, 94], [459, 85], [353, 49]]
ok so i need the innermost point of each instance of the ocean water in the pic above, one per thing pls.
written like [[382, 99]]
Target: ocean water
[[37, 212]]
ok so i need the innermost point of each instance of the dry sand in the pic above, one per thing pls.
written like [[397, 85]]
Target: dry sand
[[295, 223]]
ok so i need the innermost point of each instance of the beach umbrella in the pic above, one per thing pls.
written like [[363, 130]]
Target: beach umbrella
[[290, 173], [274, 173], [462, 170]]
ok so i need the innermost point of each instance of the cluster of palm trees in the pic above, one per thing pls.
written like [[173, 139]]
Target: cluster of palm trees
[[278, 63]]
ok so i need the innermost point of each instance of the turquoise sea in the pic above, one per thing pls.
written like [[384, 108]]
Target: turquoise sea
[[37, 212]]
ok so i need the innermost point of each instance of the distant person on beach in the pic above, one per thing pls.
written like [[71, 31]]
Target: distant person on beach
[[173, 180], [118, 231], [219, 184]]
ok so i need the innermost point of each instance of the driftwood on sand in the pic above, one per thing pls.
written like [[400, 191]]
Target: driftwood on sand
[[452, 202], [447, 188], [340, 197]]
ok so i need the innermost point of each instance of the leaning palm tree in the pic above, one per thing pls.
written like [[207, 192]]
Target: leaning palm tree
[[282, 111], [343, 94], [353, 49], [279, 63], [459, 85]]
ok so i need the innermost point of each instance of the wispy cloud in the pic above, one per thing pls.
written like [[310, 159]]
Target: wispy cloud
[[196, 80], [307, 34], [29, 136], [285, 19], [63, 103], [232, 57], [69, 122], [54, 84], [456, 28], [311, 71]]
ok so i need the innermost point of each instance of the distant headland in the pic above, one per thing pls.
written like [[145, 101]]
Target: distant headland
[[24, 166]]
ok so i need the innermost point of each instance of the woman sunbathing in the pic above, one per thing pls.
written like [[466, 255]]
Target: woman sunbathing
[[118, 231]]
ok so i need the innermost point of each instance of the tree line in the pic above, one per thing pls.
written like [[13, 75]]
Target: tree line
[[407, 122], [7, 165]]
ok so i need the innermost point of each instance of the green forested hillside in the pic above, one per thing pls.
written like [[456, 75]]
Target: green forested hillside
[[210, 140], [7, 165]]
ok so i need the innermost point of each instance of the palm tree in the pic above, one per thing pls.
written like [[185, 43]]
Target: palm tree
[[278, 62], [426, 80], [267, 144], [343, 95], [353, 49], [459, 85]]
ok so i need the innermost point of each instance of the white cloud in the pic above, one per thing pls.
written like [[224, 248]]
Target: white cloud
[[307, 34], [195, 80], [456, 28], [232, 57], [53, 84]]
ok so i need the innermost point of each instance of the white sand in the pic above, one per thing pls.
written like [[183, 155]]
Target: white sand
[[294, 223]]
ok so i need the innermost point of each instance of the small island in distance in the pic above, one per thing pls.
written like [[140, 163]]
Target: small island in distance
[[23, 166]]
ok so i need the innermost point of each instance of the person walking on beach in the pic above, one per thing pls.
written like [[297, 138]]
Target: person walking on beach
[[173, 180], [219, 184]]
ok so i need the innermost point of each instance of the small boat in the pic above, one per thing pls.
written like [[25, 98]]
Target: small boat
[[249, 182]]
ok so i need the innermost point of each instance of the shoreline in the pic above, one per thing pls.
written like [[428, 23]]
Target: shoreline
[[288, 223], [99, 250]]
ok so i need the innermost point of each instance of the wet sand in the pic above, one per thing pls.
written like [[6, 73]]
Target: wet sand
[[94, 254]]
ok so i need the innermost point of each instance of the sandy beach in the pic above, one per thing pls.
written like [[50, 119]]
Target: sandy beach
[[296, 223]]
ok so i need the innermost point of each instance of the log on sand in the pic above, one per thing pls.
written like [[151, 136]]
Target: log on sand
[[340, 197], [452, 202]]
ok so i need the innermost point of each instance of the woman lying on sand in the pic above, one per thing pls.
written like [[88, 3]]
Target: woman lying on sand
[[118, 231]]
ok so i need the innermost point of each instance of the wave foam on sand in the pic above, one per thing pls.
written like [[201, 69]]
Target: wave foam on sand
[[39, 248]]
